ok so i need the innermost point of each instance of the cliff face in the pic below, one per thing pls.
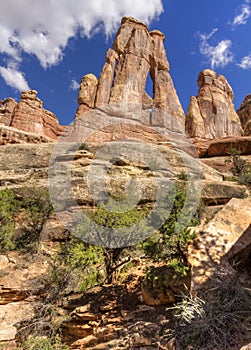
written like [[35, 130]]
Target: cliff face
[[121, 86], [244, 113], [211, 114]]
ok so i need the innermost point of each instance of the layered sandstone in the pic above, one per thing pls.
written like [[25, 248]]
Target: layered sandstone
[[7, 107], [121, 86], [29, 115], [244, 113], [211, 114]]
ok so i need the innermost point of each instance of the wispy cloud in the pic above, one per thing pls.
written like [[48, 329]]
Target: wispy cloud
[[14, 77], [74, 85], [243, 15], [219, 55], [245, 62]]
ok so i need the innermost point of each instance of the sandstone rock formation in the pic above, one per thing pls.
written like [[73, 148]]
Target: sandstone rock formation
[[87, 93], [211, 114], [121, 86], [7, 107], [9, 135], [244, 113], [29, 115], [225, 236]]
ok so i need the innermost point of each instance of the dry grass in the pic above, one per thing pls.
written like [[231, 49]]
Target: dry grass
[[216, 319]]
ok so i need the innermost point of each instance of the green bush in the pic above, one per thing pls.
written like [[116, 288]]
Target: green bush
[[9, 208], [76, 267], [36, 209], [30, 210], [43, 343], [239, 167], [171, 241]]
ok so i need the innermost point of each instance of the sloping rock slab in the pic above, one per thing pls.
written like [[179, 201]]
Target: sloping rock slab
[[227, 234]]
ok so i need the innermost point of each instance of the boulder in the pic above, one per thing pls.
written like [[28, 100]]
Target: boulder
[[244, 113], [224, 237], [211, 114], [222, 147]]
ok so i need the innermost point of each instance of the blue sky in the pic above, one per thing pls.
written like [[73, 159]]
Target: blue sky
[[49, 45]]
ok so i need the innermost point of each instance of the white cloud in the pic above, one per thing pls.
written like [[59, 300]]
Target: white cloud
[[43, 28], [14, 78], [245, 62], [243, 16], [74, 85], [219, 55]]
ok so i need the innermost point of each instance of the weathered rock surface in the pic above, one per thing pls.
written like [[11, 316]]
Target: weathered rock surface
[[30, 116], [18, 287], [28, 164], [121, 85], [7, 107], [87, 93], [211, 114], [223, 146], [224, 237], [244, 113], [106, 79], [9, 135]]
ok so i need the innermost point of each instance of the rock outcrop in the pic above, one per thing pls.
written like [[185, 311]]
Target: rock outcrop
[[211, 114], [29, 115], [9, 135], [121, 86], [7, 107], [223, 238], [244, 113]]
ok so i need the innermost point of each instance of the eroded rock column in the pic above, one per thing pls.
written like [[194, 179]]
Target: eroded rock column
[[211, 114], [132, 45], [166, 104]]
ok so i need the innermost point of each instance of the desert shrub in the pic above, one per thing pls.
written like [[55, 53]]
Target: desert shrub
[[43, 343], [76, 267], [80, 265], [114, 228], [84, 146], [239, 167], [171, 241], [9, 208], [36, 209], [215, 318]]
